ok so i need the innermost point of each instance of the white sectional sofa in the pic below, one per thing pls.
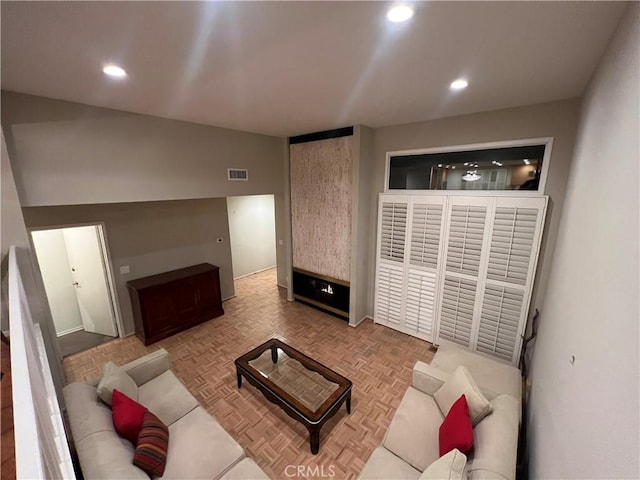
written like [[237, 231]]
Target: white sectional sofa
[[411, 443], [199, 447]]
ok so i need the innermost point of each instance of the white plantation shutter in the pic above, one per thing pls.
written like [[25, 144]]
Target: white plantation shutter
[[409, 236], [426, 223], [512, 243], [458, 269], [466, 233], [393, 227], [420, 302], [456, 311], [500, 321], [389, 294]]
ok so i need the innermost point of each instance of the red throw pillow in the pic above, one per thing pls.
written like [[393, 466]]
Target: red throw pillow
[[127, 416], [152, 447], [456, 430]]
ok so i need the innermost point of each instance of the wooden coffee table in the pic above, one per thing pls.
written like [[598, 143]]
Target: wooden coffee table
[[305, 389]]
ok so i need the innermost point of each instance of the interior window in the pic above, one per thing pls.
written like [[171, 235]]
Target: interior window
[[510, 168]]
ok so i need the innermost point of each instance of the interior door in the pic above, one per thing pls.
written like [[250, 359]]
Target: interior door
[[90, 281]]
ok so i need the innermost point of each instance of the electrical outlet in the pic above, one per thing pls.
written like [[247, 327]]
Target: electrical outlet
[[124, 270]]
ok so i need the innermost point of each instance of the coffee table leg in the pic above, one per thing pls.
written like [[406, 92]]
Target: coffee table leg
[[349, 403], [314, 440], [274, 354], [239, 379]]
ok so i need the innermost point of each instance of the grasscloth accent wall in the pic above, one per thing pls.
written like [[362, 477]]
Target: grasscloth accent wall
[[321, 199]]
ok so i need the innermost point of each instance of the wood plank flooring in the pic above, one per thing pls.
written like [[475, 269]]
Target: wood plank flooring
[[376, 359]]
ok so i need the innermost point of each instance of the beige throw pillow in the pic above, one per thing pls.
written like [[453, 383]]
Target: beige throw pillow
[[114, 377], [460, 382], [450, 466]]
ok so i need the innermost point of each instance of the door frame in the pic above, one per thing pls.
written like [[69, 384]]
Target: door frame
[[106, 261]]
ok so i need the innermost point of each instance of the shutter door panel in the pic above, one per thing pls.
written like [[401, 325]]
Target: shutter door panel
[[393, 226], [512, 242], [466, 234], [420, 302], [389, 294], [456, 309], [425, 234], [500, 321]]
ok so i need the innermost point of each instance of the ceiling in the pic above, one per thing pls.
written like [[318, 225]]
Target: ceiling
[[288, 68]]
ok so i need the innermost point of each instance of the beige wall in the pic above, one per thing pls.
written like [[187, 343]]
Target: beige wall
[[557, 119], [252, 233], [583, 420], [65, 153], [14, 233], [151, 237]]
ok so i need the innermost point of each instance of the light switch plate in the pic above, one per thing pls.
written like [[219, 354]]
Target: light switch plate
[[124, 270]]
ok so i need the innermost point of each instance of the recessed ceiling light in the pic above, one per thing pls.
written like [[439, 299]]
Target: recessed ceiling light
[[459, 84], [114, 71], [400, 13]]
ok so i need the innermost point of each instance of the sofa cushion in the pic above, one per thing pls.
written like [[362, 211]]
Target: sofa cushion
[[459, 383], [200, 448], [496, 441], [456, 431], [413, 433], [448, 467], [244, 470], [104, 455], [384, 465], [494, 378], [87, 414], [128, 416], [166, 397], [152, 446], [114, 377]]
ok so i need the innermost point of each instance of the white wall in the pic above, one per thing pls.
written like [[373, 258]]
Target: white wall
[[252, 232], [583, 420], [56, 273]]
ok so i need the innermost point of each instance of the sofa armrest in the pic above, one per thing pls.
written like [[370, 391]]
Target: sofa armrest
[[148, 367], [427, 379]]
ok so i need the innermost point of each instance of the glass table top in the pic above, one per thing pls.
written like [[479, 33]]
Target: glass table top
[[306, 386]]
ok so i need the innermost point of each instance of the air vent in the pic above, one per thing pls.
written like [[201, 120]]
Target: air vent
[[237, 174]]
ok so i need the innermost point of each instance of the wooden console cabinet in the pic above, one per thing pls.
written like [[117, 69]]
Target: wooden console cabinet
[[170, 302]]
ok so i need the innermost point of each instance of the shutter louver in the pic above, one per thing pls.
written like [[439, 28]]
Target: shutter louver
[[393, 225], [466, 232], [512, 241], [500, 321], [420, 302], [456, 310], [425, 234], [389, 294]]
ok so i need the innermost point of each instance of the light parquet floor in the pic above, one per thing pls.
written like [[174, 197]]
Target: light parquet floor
[[376, 359]]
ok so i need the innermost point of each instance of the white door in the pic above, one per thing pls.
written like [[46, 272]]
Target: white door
[[90, 281]]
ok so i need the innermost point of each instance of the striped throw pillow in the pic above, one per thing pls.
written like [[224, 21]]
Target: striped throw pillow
[[153, 443]]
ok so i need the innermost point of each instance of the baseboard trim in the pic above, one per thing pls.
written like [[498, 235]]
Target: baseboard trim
[[360, 321], [253, 273], [69, 330], [281, 286], [229, 298]]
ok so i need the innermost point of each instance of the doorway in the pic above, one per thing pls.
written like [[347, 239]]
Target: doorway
[[76, 279], [252, 234]]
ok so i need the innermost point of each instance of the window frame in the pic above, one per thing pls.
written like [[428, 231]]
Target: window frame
[[546, 160]]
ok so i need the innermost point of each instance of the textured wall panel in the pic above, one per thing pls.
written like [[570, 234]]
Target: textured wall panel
[[321, 195]]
